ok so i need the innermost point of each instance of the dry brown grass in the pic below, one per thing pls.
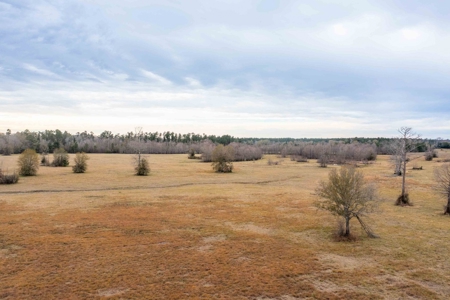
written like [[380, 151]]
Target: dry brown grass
[[187, 232]]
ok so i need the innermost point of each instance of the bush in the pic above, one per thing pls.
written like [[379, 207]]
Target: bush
[[44, 160], [8, 178], [142, 168], [222, 158], [299, 158], [403, 200], [28, 163], [60, 158], [271, 162], [429, 156], [191, 154], [80, 163]]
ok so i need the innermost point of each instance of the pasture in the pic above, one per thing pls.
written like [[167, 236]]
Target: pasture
[[185, 232]]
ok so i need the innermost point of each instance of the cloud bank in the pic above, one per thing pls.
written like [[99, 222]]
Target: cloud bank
[[259, 68]]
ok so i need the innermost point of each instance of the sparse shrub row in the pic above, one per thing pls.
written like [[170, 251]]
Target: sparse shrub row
[[242, 152], [332, 152], [299, 158]]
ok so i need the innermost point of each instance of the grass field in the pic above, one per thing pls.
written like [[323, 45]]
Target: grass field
[[185, 232]]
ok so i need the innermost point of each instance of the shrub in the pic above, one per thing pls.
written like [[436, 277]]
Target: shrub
[[142, 168], [222, 158], [429, 156], [403, 200], [44, 160], [191, 154], [80, 163], [60, 158], [271, 162], [28, 163], [8, 178], [299, 158]]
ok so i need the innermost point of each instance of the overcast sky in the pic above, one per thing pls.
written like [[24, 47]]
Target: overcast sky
[[262, 68]]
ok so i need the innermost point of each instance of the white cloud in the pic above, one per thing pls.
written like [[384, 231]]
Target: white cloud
[[37, 70], [156, 77]]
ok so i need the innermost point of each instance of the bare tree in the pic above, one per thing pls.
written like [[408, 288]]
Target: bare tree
[[442, 177], [347, 195], [141, 164], [406, 143]]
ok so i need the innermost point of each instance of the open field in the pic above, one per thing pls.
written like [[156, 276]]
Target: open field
[[186, 232]]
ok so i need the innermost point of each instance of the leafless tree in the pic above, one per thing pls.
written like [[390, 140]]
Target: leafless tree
[[442, 177], [347, 195], [141, 164], [406, 143]]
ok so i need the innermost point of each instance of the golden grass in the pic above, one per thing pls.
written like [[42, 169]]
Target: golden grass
[[185, 232]]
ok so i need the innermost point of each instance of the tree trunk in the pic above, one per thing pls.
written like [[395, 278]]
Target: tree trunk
[[347, 226], [404, 175]]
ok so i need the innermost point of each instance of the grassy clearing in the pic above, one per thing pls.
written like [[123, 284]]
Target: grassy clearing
[[187, 232]]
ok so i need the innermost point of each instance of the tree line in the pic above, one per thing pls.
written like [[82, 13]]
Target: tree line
[[176, 143]]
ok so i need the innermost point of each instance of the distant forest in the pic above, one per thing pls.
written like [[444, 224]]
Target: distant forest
[[168, 142]]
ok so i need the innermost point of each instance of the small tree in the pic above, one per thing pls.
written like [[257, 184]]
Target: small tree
[[323, 160], [80, 163], [60, 158], [442, 177], [28, 163], [407, 142], [222, 158], [346, 195]]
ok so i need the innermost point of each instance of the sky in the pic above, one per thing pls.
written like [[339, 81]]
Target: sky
[[254, 68]]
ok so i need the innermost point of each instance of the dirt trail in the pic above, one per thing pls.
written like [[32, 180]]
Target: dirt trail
[[146, 187]]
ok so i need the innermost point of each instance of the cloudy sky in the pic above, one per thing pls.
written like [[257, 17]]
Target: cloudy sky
[[261, 68]]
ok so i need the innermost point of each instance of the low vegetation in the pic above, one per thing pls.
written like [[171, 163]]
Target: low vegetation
[[28, 163], [80, 165], [183, 233], [60, 158], [142, 167], [222, 159], [6, 178]]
